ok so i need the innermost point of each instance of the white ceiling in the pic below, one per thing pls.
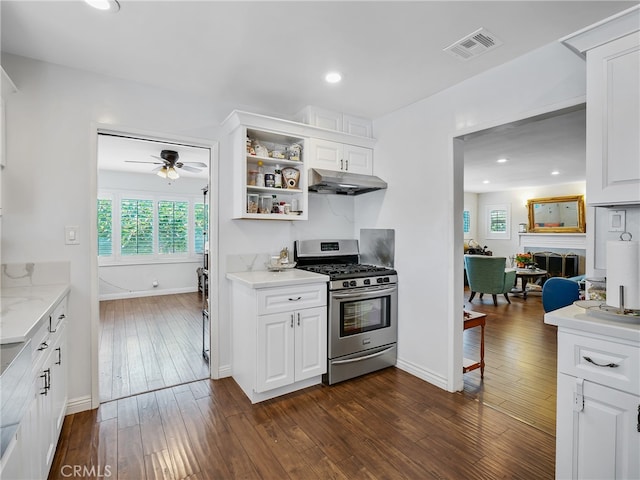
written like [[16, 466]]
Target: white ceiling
[[533, 148], [270, 57]]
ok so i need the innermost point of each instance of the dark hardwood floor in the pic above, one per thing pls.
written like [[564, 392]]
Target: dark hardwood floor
[[520, 357], [149, 343], [387, 424]]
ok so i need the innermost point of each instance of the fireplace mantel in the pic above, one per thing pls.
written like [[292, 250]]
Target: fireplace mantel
[[554, 240]]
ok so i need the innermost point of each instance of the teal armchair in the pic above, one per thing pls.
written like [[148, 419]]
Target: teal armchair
[[488, 275]]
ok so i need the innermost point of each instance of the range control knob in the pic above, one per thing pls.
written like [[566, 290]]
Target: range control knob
[[367, 281], [345, 284], [353, 283], [386, 279], [379, 279]]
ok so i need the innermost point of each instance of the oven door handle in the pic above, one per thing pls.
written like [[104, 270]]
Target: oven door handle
[[366, 357], [367, 293]]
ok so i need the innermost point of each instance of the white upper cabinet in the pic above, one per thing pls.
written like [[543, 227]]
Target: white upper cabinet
[[332, 120], [613, 122], [339, 156], [612, 49]]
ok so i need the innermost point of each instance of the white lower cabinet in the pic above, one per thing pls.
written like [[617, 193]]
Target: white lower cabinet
[[279, 338], [598, 408], [597, 434], [292, 346], [32, 455]]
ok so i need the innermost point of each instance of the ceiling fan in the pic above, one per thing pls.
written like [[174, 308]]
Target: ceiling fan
[[169, 164]]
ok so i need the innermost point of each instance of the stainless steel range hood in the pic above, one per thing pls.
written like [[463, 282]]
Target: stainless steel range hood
[[343, 183]]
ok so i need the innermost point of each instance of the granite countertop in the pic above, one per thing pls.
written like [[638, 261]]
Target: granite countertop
[[23, 308], [265, 279], [576, 318]]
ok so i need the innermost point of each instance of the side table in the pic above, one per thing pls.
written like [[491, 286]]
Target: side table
[[471, 320]]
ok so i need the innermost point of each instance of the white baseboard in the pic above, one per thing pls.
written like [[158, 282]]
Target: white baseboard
[[147, 293], [224, 371], [79, 404], [422, 373]]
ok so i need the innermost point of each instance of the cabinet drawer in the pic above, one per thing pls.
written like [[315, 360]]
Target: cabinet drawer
[[40, 343], [58, 315], [610, 363], [285, 299]]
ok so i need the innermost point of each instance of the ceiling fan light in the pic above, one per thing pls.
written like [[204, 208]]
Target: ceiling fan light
[[104, 5], [172, 174], [162, 172]]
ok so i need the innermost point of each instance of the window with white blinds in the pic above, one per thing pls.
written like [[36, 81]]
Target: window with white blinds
[[498, 221], [150, 228], [136, 227]]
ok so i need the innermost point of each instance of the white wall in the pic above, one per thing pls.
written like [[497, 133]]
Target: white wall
[[424, 200], [517, 199]]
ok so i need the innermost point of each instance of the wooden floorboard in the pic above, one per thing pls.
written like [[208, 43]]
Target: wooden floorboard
[[387, 424], [520, 357], [150, 343]]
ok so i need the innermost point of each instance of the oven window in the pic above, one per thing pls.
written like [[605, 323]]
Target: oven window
[[364, 315]]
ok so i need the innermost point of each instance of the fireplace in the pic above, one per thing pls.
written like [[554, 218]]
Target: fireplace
[[558, 264]]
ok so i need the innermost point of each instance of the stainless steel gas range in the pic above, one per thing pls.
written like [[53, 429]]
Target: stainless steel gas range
[[362, 307]]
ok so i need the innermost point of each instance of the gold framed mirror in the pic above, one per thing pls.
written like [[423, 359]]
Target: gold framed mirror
[[556, 214]]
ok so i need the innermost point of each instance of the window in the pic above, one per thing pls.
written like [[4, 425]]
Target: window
[[105, 230], [136, 227], [148, 228], [173, 227], [498, 222], [466, 221], [201, 217]]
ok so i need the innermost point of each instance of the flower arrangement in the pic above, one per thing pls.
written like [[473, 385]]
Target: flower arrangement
[[523, 259]]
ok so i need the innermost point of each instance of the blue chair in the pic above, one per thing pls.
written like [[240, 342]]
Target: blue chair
[[558, 292]]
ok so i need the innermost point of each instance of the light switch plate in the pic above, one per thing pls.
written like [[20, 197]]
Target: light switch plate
[[617, 219], [71, 235]]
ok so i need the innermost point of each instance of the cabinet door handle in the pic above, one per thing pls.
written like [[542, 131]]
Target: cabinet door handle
[[638, 426], [46, 375], [346, 162], [341, 164], [43, 346], [295, 299], [298, 319], [59, 350], [610, 365], [292, 320]]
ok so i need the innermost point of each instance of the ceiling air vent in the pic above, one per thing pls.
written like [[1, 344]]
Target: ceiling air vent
[[474, 44]]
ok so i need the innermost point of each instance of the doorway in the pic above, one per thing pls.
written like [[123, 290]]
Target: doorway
[[521, 338], [152, 249]]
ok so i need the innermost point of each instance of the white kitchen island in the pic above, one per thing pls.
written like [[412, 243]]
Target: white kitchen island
[[598, 404], [279, 325]]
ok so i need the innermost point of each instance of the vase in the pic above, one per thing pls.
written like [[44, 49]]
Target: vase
[[520, 264]]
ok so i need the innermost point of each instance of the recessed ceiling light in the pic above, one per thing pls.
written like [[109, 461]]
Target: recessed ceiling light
[[502, 160], [555, 172], [333, 77], [485, 181], [104, 5]]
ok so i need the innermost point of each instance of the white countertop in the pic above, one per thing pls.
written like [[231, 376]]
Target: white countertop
[[23, 308], [265, 279], [576, 318]]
